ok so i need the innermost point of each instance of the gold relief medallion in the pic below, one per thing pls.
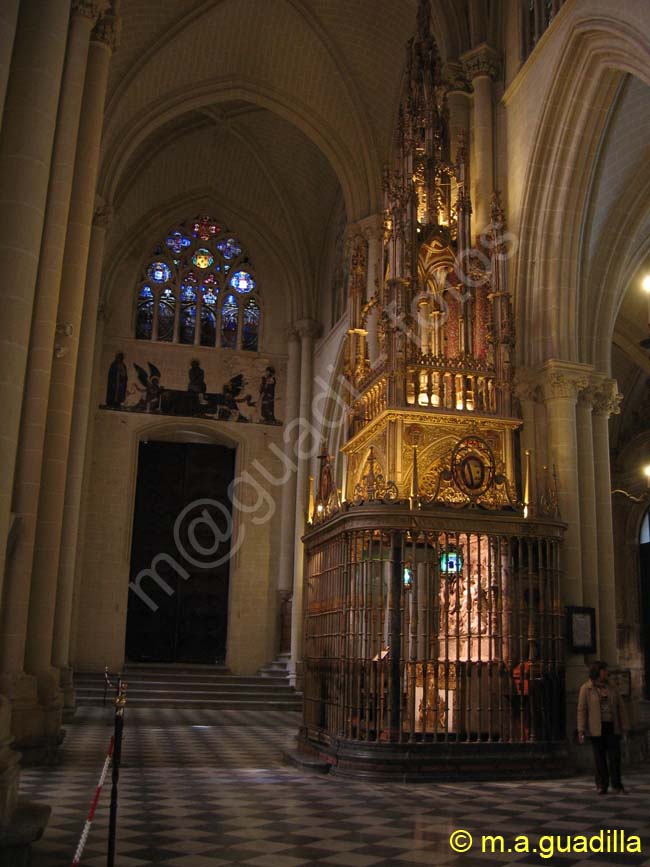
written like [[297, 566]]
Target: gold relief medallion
[[473, 466]]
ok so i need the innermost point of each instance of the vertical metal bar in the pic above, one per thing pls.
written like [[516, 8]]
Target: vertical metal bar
[[531, 644], [481, 614], [490, 637], [447, 634], [431, 653], [395, 643], [520, 627]]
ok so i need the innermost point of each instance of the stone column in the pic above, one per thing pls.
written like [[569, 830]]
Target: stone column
[[561, 383], [26, 139], [482, 66], [308, 331], [98, 378], [606, 402], [8, 21], [77, 456], [13, 621], [458, 101], [57, 436], [587, 490], [288, 496]]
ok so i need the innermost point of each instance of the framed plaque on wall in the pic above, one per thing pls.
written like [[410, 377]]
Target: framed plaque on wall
[[581, 629]]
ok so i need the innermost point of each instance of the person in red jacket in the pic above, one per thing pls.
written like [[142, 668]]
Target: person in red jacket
[[602, 718]]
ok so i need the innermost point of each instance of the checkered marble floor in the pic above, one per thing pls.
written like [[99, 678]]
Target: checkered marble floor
[[209, 788]]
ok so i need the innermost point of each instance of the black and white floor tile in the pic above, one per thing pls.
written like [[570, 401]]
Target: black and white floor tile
[[209, 788]]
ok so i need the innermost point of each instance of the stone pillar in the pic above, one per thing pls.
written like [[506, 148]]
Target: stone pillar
[[458, 102], [482, 66], [8, 21], [561, 383], [77, 456], [308, 330], [57, 436], [26, 139], [588, 527], [97, 376], [13, 621], [288, 497], [606, 402]]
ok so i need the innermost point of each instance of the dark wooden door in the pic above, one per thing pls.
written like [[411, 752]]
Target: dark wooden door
[[179, 554]]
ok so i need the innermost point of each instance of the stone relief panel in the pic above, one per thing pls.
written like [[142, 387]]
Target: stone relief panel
[[225, 386]]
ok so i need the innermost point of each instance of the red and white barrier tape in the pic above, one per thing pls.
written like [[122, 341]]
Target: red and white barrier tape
[[93, 806]]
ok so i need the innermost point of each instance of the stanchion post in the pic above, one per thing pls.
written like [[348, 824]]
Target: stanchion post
[[120, 703]]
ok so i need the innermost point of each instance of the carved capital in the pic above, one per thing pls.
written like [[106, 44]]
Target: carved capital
[[587, 396], [564, 379], [89, 8], [291, 334], [372, 228], [607, 398], [308, 328], [564, 385], [527, 390], [107, 31], [453, 73], [481, 61], [103, 216]]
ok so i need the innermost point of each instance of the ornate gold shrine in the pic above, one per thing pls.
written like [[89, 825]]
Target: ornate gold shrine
[[432, 599]]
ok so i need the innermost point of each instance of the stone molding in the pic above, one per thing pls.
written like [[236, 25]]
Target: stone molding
[[481, 61]]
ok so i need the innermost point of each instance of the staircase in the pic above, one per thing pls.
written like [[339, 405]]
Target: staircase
[[192, 686]]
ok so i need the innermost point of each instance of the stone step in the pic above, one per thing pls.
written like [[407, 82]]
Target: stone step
[[293, 704], [142, 682], [210, 687], [262, 695]]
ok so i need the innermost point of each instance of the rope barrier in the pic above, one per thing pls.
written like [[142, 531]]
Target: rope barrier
[[93, 805]]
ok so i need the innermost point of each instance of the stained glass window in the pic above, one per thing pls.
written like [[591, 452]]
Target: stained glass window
[[209, 316], [204, 228], [203, 258], [188, 314], [144, 314], [159, 272], [229, 248], [251, 325], [166, 314], [241, 281], [191, 287], [177, 242], [229, 322]]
